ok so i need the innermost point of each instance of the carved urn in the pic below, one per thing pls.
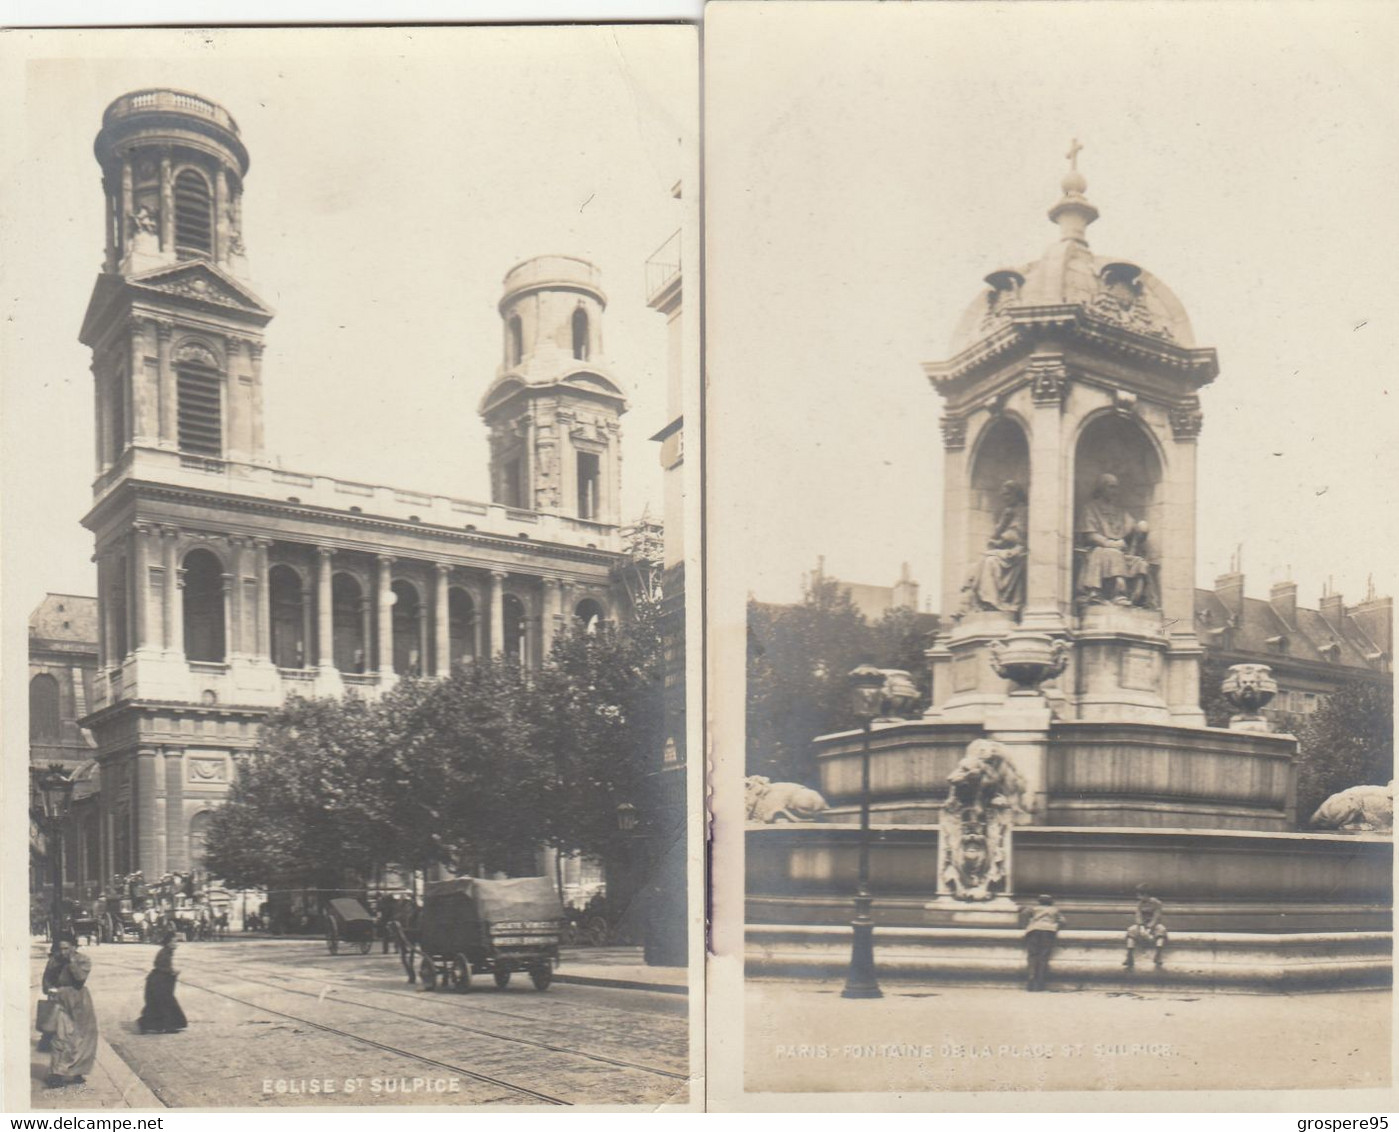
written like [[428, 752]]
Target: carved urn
[[1249, 688], [1028, 660]]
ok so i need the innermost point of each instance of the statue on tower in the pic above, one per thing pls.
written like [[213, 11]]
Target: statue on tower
[[1117, 567], [998, 579]]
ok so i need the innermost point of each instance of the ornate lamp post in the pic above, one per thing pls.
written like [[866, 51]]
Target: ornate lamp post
[[56, 790], [867, 692]]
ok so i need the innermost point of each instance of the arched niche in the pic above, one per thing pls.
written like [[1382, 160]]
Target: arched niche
[[513, 621], [349, 647], [290, 649], [1001, 455], [407, 638], [461, 625], [204, 607], [588, 615], [1119, 445]]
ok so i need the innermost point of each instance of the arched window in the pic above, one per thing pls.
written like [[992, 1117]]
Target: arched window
[[194, 216], [588, 616], [580, 334], [589, 479], [198, 839], [514, 623], [289, 645], [461, 625], [347, 623], [407, 630], [517, 340], [45, 720], [204, 628], [199, 390]]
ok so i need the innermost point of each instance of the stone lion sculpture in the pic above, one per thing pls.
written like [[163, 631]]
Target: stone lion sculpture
[[770, 802], [1358, 809]]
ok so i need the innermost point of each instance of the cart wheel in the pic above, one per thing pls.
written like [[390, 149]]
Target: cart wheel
[[332, 945], [461, 974], [541, 977], [428, 973], [502, 977], [366, 946]]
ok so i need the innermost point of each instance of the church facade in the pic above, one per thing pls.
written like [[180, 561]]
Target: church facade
[[226, 582]]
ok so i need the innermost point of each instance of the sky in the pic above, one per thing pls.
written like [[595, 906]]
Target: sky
[[867, 167], [395, 177]]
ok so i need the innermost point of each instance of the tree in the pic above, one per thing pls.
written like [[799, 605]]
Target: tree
[[1347, 741]]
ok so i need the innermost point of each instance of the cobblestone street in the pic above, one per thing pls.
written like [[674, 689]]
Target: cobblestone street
[[804, 1037], [281, 1022]]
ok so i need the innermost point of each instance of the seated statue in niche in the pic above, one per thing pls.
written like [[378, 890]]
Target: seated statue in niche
[[983, 803], [998, 579], [1117, 567]]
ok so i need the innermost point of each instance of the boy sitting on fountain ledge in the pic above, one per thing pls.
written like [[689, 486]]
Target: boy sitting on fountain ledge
[[1146, 927]]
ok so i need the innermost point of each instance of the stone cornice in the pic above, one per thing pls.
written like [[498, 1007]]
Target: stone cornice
[[210, 500], [1027, 326]]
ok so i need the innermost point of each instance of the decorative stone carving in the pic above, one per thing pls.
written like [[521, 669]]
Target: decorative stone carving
[[1121, 300], [1029, 659], [199, 353], [954, 432], [769, 802], [1249, 688], [146, 221], [1360, 809], [1049, 380], [1187, 420], [1117, 566], [199, 286], [899, 696], [983, 804], [997, 581], [1004, 293]]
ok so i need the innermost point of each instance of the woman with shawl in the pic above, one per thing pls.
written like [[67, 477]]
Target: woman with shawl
[[74, 1046], [162, 1014]]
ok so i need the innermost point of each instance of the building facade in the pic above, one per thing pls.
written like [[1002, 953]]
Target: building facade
[[226, 582]]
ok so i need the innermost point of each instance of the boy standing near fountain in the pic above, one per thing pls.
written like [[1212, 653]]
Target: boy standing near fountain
[[1146, 927], [1041, 932]]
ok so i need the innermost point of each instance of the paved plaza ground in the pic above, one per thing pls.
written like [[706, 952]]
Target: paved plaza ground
[[804, 1037], [281, 1022]]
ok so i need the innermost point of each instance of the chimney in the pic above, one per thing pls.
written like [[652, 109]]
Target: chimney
[[1333, 610], [1283, 598], [1375, 617], [1229, 589]]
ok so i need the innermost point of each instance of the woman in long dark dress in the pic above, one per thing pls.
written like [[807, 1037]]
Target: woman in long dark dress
[[162, 1014]]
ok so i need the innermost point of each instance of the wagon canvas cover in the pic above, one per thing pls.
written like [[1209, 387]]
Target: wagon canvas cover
[[345, 910]]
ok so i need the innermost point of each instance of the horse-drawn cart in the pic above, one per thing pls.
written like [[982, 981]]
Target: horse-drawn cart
[[489, 927], [347, 921]]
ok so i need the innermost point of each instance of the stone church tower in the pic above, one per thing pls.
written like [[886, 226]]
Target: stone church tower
[[226, 582], [553, 408]]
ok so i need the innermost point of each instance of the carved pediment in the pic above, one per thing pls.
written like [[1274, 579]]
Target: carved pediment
[[204, 283]]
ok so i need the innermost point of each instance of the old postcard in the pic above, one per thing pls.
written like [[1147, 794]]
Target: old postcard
[[345, 381], [1049, 414]]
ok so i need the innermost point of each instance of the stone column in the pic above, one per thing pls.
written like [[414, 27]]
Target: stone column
[[235, 425], [221, 215], [441, 605], [366, 613], [498, 612], [174, 807], [325, 609], [385, 604], [162, 854], [127, 206], [230, 608], [549, 619], [568, 595], [308, 624], [423, 622], [954, 519], [144, 813], [1045, 572], [1177, 549], [167, 205], [104, 647], [110, 261], [99, 405], [141, 586], [169, 402], [173, 640], [263, 646], [255, 400]]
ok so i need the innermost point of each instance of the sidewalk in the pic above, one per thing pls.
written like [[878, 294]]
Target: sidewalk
[[111, 1084], [620, 967]]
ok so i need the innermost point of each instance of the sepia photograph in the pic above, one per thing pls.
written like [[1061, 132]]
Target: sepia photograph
[[1049, 412], [344, 387]]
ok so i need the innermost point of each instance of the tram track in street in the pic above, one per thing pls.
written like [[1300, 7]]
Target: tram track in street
[[337, 999]]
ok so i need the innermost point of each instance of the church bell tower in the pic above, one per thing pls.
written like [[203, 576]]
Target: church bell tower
[[176, 332], [553, 410]]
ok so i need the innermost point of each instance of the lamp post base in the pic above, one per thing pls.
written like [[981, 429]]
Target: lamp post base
[[861, 982]]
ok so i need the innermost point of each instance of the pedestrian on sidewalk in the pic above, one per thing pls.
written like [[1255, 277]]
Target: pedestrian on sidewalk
[[162, 1014], [1041, 933], [48, 1010], [74, 1046], [1146, 927]]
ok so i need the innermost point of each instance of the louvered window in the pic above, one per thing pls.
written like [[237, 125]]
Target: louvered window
[[200, 416], [194, 220]]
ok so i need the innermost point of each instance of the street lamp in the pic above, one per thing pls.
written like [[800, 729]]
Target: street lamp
[[867, 695], [56, 791], [626, 817]]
